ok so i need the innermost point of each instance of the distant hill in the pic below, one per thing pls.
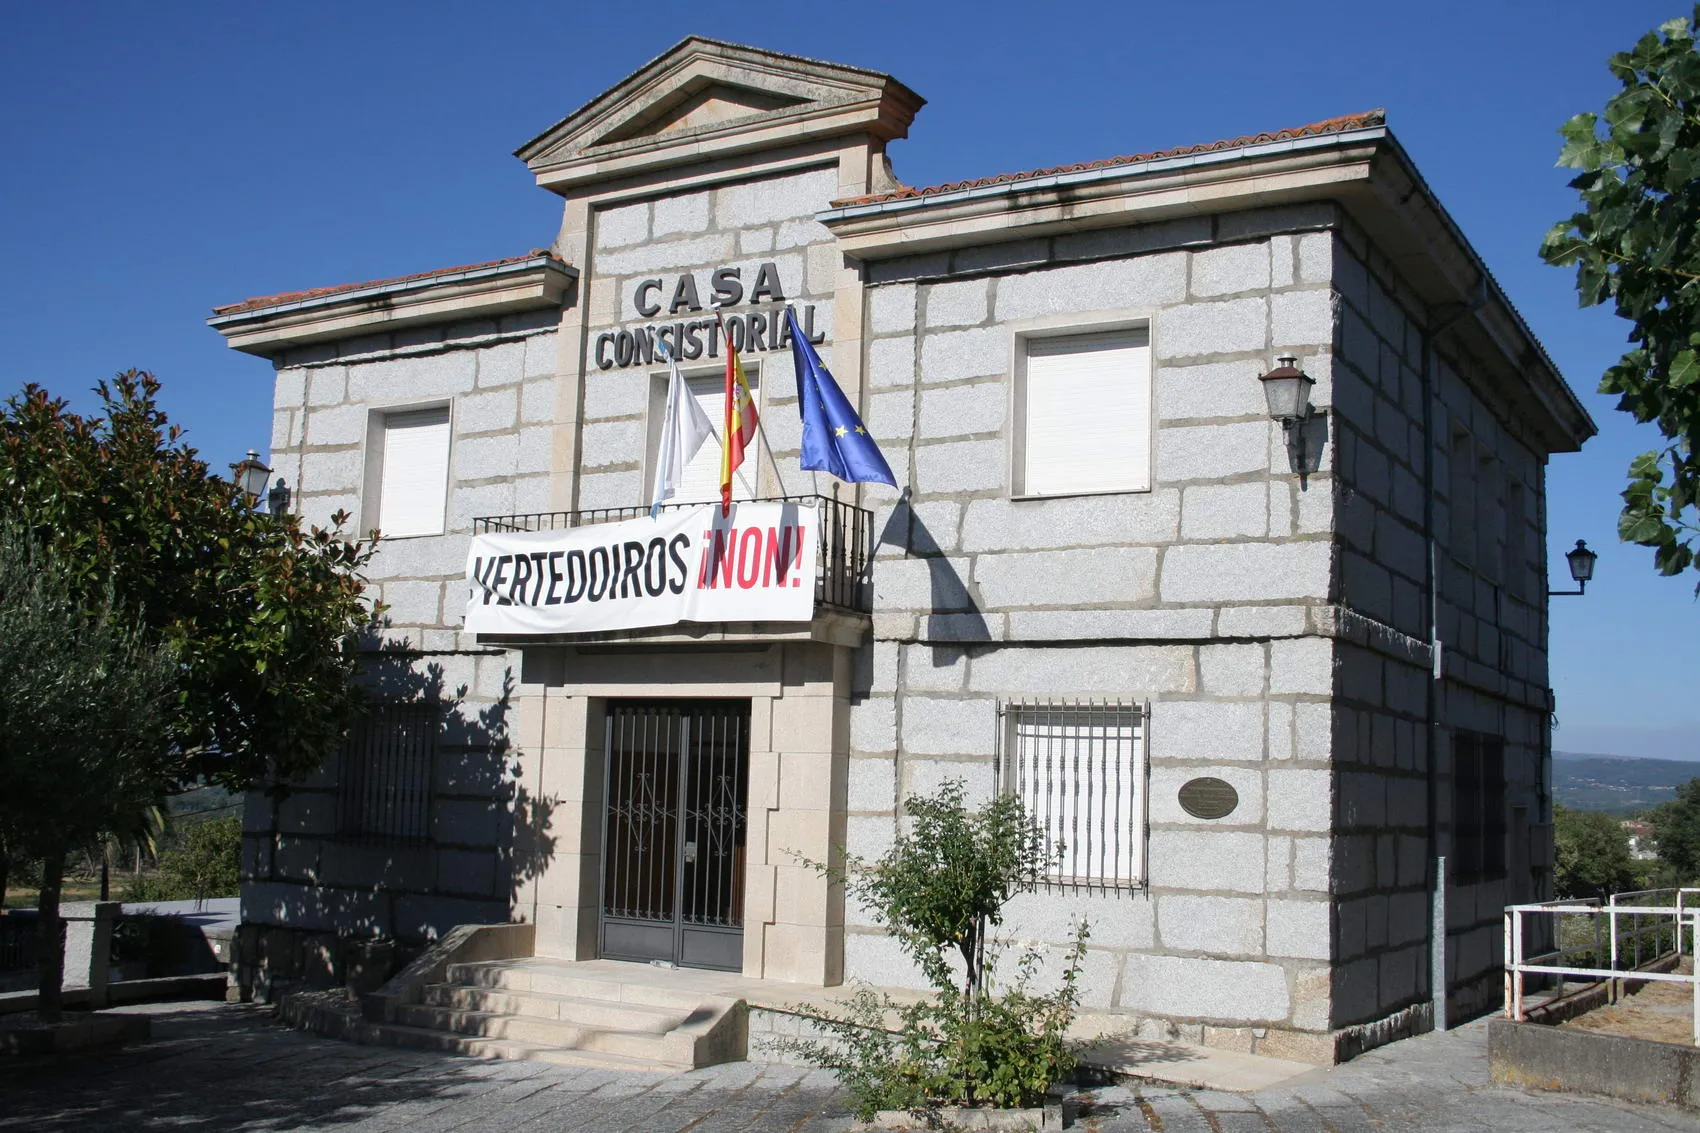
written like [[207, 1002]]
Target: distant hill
[[1616, 783]]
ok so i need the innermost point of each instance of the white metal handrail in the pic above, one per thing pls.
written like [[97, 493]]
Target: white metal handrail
[[1683, 913]]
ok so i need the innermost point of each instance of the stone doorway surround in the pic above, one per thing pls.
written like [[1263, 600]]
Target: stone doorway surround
[[798, 779]]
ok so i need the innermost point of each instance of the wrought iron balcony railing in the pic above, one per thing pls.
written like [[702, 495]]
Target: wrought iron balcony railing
[[846, 541]]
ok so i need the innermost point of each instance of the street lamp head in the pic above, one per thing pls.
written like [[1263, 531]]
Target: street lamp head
[[1581, 562], [251, 474], [1287, 390]]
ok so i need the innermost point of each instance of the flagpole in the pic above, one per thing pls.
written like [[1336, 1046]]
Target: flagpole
[[761, 429], [768, 448]]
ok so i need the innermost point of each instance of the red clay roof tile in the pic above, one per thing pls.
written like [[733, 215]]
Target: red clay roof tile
[[1327, 126], [320, 292]]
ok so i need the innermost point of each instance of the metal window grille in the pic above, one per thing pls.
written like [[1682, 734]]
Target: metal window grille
[[384, 782], [1080, 767], [1479, 819]]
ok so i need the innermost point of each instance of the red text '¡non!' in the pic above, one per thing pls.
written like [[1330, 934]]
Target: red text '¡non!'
[[751, 557]]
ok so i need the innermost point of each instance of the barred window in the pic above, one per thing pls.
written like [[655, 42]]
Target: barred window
[[384, 781], [1478, 807], [1080, 768]]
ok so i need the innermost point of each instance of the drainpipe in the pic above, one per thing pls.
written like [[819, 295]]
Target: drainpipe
[[1437, 852]]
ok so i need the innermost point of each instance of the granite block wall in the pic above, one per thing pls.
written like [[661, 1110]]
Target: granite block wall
[[299, 869], [739, 226], [1487, 515], [1207, 596]]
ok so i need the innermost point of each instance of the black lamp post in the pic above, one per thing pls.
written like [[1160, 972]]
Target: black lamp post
[[1581, 562]]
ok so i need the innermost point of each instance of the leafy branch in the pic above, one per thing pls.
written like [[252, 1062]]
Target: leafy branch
[[1636, 242]]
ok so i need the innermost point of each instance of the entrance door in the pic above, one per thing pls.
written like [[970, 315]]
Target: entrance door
[[673, 836]]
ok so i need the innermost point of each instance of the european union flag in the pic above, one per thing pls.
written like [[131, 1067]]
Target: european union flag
[[833, 437]]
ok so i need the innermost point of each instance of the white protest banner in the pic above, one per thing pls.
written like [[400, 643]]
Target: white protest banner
[[686, 565]]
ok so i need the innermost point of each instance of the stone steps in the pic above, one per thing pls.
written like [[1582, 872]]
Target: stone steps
[[427, 1038], [566, 979], [556, 1011], [599, 1013]]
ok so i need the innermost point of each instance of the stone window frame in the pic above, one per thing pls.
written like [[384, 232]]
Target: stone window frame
[[372, 463], [1076, 324]]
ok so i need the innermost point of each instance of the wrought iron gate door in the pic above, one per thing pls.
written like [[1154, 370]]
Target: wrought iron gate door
[[673, 836]]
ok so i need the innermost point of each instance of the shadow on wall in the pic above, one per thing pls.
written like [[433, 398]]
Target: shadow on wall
[[422, 821], [954, 612]]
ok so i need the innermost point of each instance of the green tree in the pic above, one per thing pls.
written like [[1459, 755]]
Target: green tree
[[1591, 852], [84, 725], [205, 862], [1636, 242], [1676, 832], [261, 615]]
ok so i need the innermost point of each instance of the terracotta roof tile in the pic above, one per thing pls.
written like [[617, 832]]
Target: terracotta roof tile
[[1327, 126], [320, 292]]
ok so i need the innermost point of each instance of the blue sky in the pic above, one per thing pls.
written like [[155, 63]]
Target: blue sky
[[159, 159]]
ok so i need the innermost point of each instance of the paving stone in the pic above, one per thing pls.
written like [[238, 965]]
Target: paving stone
[[228, 1067], [1177, 1114]]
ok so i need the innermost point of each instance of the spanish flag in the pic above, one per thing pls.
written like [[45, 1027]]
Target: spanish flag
[[740, 421]]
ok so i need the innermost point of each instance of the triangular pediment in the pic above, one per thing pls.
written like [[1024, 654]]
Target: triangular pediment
[[704, 98], [709, 104]]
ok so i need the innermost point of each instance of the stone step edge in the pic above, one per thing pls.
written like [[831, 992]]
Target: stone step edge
[[673, 1016], [464, 974], [308, 1013], [428, 1038], [577, 1039]]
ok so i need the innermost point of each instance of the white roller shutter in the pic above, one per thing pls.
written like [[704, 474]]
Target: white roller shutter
[[415, 481], [700, 483], [1087, 414]]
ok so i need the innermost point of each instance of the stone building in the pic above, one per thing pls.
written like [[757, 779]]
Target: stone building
[[1281, 693]]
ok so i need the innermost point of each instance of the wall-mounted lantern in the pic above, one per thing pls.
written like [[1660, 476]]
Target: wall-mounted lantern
[[251, 474], [1287, 390], [1581, 562]]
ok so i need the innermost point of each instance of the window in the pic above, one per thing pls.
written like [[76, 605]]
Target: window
[[1515, 571], [1461, 499], [1478, 807], [1490, 519], [1083, 415], [1080, 769], [412, 471], [701, 482], [384, 780]]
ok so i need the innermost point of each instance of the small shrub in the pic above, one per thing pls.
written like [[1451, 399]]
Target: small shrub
[[939, 890]]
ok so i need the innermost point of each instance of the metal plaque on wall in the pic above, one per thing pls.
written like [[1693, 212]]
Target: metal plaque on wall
[[1208, 798]]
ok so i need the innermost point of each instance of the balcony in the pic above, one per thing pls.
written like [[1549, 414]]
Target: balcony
[[843, 598]]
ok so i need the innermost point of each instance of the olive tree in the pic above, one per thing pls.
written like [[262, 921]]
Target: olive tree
[[84, 725]]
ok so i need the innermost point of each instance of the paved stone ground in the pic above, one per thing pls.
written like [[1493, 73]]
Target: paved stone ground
[[231, 1068]]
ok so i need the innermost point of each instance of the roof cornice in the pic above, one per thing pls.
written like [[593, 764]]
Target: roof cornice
[[267, 327], [1364, 170]]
